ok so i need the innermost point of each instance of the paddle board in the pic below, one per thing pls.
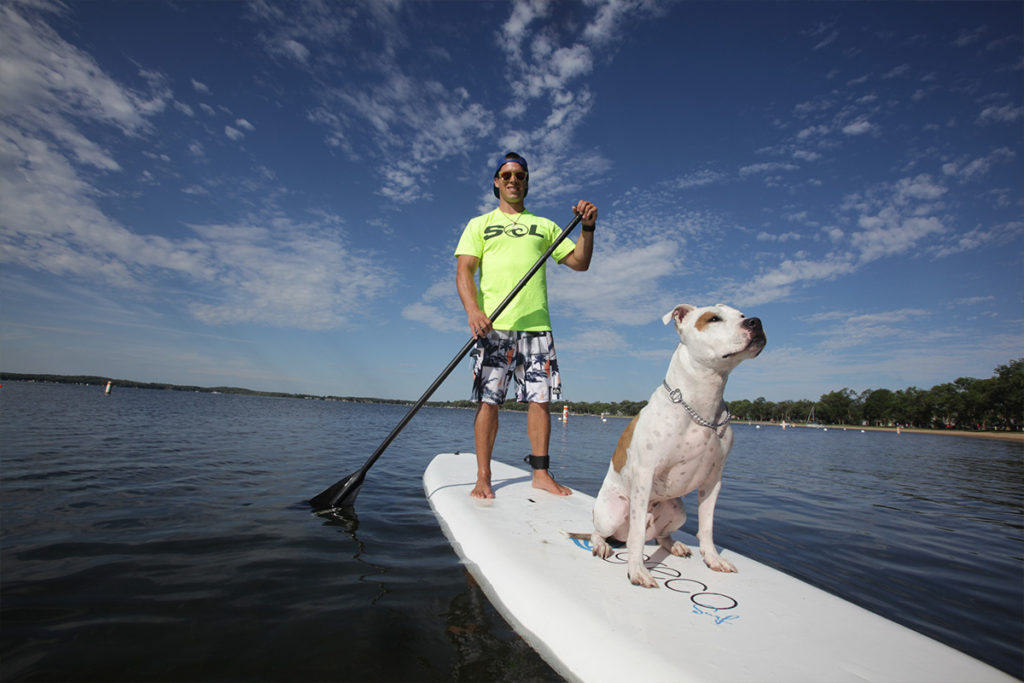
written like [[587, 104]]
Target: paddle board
[[584, 617]]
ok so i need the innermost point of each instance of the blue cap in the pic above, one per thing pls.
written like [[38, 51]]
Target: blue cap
[[511, 158]]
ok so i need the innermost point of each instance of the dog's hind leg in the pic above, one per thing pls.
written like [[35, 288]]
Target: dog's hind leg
[[611, 518], [669, 516]]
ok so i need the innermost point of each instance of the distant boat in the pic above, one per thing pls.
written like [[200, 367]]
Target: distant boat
[[810, 418]]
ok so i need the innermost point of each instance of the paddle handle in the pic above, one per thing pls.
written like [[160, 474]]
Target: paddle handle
[[467, 348]]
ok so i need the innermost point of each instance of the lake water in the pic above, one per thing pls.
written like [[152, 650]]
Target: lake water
[[159, 535]]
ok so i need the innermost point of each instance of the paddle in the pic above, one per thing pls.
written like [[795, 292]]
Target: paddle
[[343, 493]]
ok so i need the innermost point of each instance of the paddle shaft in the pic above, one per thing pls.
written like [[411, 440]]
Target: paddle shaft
[[332, 495]]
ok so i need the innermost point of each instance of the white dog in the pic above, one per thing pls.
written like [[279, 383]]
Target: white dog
[[678, 443]]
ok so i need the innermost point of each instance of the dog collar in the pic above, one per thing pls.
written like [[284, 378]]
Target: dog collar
[[718, 428]]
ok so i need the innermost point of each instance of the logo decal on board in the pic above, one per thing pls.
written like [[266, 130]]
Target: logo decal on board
[[703, 601]]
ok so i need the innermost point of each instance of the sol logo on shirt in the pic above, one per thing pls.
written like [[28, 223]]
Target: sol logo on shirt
[[514, 230]]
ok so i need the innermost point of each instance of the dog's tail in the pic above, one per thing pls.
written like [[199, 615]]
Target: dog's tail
[[576, 535]]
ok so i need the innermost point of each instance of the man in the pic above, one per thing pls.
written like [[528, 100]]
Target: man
[[503, 245]]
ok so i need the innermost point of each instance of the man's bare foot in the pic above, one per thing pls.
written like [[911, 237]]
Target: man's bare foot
[[543, 480], [482, 489]]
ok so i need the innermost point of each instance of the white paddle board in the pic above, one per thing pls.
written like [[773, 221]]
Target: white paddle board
[[584, 617]]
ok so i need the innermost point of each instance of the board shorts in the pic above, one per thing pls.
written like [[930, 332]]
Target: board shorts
[[527, 356]]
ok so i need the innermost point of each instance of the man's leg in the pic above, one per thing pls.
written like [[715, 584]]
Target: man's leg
[[485, 430], [538, 427]]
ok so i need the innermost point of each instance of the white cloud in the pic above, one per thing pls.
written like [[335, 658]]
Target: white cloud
[[858, 127], [47, 87], [413, 123], [845, 330], [285, 274], [295, 50], [895, 218], [699, 179], [968, 37], [897, 72], [623, 285], [1006, 113], [778, 283], [200, 87], [973, 170], [595, 342], [824, 34], [51, 223], [433, 317], [907, 216], [612, 15], [233, 133], [768, 167], [780, 237], [804, 155], [812, 131]]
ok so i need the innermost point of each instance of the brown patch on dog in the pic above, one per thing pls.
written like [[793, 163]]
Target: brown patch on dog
[[619, 459], [704, 321]]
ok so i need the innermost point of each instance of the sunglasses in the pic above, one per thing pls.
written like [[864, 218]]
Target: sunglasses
[[507, 175]]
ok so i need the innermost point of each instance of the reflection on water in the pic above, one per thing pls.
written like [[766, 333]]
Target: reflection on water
[[158, 535]]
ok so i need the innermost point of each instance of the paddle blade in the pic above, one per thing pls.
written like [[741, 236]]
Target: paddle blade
[[341, 494]]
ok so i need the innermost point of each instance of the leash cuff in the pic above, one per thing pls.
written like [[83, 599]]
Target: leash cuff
[[538, 462]]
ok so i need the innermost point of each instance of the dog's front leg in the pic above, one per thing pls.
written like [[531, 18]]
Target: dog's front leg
[[708, 496], [639, 515]]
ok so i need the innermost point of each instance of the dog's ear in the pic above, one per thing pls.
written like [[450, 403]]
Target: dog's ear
[[677, 313]]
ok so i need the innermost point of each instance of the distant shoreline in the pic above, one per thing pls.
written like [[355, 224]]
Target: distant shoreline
[[94, 380], [1014, 437]]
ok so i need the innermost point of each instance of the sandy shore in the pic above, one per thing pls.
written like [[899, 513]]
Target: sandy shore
[[1015, 437]]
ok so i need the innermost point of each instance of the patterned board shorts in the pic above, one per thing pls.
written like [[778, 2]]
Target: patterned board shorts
[[529, 356]]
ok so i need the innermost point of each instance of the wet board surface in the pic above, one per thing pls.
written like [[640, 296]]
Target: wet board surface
[[581, 614]]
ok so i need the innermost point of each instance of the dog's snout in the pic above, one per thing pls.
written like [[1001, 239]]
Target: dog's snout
[[754, 324]]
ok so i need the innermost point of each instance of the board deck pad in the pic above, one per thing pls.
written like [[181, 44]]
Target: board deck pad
[[584, 617]]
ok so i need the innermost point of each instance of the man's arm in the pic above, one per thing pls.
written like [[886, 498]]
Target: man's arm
[[465, 282], [579, 258]]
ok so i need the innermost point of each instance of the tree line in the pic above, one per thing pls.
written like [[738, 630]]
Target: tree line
[[996, 403], [967, 403]]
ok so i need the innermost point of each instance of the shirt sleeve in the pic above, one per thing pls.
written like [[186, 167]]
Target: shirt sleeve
[[563, 249], [471, 242]]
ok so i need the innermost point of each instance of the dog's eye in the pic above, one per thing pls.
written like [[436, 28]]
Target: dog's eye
[[714, 319]]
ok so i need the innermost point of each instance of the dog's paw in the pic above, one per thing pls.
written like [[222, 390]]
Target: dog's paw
[[641, 577], [600, 547], [717, 563], [679, 549]]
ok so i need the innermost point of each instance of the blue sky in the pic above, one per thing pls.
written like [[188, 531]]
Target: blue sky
[[268, 195]]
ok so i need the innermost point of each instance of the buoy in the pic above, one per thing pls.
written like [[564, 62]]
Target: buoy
[[565, 413], [107, 390]]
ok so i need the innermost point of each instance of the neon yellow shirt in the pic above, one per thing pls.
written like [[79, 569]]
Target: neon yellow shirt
[[508, 246]]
